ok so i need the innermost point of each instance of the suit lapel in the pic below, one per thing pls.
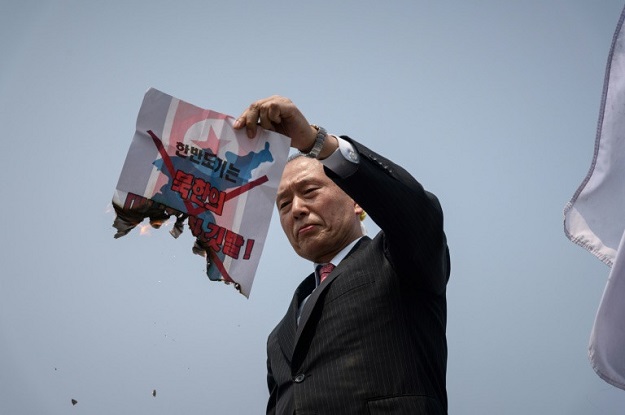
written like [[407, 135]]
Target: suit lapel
[[319, 292], [289, 332], [288, 326], [312, 301]]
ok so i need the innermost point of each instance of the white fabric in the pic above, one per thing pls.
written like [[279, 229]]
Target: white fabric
[[607, 340], [344, 161], [595, 218]]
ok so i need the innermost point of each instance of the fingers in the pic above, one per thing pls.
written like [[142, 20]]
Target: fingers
[[268, 113], [265, 121], [249, 120], [274, 113]]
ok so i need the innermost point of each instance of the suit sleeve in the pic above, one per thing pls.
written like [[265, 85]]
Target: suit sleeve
[[271, 384], [410, 217]]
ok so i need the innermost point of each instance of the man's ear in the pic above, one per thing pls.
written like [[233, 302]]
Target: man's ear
[[359, 211]]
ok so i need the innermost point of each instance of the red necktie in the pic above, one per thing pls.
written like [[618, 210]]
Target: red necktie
[[324, 271]]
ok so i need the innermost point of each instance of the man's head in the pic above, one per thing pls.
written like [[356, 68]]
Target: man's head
[[318, 218]]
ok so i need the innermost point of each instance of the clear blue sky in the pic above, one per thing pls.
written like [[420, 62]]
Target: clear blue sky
[[492, 105]]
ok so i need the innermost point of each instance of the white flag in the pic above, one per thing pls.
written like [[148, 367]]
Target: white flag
[[595, 218]]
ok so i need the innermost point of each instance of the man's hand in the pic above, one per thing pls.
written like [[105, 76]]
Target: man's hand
[[278, 114]]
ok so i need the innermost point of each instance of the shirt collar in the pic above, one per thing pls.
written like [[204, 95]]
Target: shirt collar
[[338, 257]]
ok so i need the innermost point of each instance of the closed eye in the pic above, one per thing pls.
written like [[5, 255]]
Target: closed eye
[[284, 204], [310, 190]]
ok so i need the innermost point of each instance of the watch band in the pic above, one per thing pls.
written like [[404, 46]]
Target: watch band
[[319, 139]]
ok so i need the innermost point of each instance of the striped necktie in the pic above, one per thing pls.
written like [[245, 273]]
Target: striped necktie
[[324, 271]]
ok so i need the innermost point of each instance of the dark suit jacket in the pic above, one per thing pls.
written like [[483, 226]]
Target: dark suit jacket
[[371, 338]]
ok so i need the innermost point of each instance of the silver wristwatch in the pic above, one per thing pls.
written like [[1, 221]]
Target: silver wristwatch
[[321, 137]]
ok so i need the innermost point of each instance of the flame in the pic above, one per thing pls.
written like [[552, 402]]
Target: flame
[[144, 229]]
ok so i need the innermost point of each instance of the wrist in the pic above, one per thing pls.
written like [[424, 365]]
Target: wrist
[[318, 143], [323, 144], [313, 137], [330, 145]]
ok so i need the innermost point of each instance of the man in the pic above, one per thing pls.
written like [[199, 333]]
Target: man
[[369, 338]]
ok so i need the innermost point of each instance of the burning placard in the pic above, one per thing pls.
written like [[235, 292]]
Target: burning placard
[[190, 163]]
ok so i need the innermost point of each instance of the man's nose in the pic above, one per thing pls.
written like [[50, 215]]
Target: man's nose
[[299, 207]]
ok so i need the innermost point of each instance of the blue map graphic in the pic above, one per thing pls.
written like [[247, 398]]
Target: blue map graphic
[[222, 179]]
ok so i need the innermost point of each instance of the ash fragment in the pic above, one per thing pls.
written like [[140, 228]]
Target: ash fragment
[[176, 231], [132, 209], [137, 208], [74, 402]]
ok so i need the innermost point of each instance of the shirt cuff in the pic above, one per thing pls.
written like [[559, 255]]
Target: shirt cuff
[[345, 159]]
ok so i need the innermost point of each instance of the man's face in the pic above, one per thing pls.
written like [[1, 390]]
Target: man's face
[[318, 218]]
